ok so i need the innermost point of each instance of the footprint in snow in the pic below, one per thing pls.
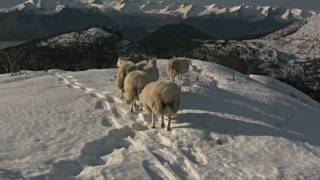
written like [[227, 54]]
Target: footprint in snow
[[100, 105], [106, 122]]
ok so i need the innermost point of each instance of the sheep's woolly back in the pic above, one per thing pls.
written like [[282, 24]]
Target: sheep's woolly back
[[177, 66], [134, 82], [161, 97], [142, 64], [124, 69], [152, 70]]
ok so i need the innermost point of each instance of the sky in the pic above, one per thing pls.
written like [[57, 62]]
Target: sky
[[304, 4]]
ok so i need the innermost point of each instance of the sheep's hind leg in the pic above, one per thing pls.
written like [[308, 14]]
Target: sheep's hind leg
[[153, 121], [169, 124], [162, 121], [132, 104], [121, 96]]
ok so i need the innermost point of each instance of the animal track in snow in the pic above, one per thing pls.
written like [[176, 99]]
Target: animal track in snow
[[92, 151], [106, 122]]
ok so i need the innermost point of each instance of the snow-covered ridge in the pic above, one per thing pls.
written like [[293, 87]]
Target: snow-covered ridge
[[68, 39], [73, 125], [168, 7], [303, 43]]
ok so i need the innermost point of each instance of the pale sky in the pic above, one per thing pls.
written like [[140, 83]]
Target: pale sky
[[304, 4]]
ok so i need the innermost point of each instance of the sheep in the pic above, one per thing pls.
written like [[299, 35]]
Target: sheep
[[124, 69], [134, 82], [122, 60], [140, 65], [152, 70], [177, 67], [161, 98]]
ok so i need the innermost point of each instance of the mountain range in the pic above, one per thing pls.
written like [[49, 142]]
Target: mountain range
[[34, 19], [185, 9]]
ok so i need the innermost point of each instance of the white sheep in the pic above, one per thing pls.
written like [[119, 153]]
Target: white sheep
[[134, 82], [161, 98], [177, 67], [122, 60], [140, 65], [124, 69], [152, 70]]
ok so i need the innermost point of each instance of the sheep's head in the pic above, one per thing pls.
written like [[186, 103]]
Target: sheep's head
[[121, 60], [153, 61]]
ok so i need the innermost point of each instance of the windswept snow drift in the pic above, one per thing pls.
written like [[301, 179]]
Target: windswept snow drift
[[59, 124]]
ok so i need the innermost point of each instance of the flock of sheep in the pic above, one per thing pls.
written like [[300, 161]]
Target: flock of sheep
[[140, 82]]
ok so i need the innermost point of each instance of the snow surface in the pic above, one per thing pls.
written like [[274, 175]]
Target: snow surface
[[72, 125], [5, 44]]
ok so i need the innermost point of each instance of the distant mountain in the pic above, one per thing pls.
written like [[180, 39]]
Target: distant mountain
[[236, 27], [96, 47], [172, 37], [135, 33], [176, 32], [26, 26], [40, 18], [184, 8]]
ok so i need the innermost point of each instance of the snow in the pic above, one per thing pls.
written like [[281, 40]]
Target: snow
[[302, 43], [5, 44], [284, 89], [60, 124], [83, 37], [30, 5]]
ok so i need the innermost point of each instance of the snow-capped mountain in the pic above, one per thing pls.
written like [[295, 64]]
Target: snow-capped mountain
[[185, 9], [30, 5], [237, 22]]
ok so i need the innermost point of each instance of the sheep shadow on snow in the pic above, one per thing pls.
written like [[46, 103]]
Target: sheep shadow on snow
[[222, 115]]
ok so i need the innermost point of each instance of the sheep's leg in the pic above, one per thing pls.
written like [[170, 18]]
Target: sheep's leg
[[153, 121], [140, 107], [162, 121], [169, 124], [121, 96], [132, 104], [173, 77]]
